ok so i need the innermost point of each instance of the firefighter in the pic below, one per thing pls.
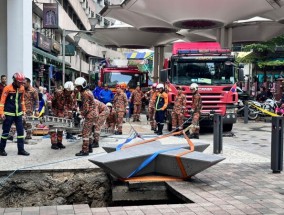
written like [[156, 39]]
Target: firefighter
[[136, 97], [32, 106], [111, 119], [88, 112], [102, 113], [119, 105], [151, 96], [161, 104], [195, 111], [178, 110], [12, 109], [63, 103]]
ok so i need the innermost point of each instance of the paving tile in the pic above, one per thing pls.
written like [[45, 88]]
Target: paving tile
[[99, 210], [7, 210], [13, 213], [118, 213]]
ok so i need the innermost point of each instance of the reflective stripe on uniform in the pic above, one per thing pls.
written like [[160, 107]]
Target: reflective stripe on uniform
[[4, 137], [20, 137], [13, 114]]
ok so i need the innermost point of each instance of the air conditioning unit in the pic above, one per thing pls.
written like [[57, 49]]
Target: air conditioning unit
[[87, 11], [84, 5]]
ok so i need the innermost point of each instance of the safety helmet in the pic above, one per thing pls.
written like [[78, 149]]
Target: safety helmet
[[69, 86], [154, 85], [20, 77], [123, 85], [109, 104], [81, 82], [160, 86], [194, 86]]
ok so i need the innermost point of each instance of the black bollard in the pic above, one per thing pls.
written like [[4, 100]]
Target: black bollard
[[246, 112], [277, 144], [218, 134]]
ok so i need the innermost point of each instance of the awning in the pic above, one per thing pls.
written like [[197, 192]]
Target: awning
[[139, 55], [52, 58]]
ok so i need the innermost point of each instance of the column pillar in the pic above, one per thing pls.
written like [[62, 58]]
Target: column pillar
[[3, 38], [156, 64], [230, 38], [19, 38], [161, 58]]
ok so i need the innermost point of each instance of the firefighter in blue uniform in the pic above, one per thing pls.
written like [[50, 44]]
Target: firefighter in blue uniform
[[160, 107]]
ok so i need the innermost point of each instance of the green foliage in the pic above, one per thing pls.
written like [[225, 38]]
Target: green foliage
[[263, 54]]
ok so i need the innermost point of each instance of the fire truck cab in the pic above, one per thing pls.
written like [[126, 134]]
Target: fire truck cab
[[213, 69]]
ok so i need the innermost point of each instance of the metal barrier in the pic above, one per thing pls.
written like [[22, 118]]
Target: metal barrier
[[218, 134], [277, 144]]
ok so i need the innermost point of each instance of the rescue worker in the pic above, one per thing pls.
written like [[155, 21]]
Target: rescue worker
[[111, 119], [161, 104], [32, 106], [195, 111], [12, 109], [101, 115], [151, 96], [63, 104], [136, 97], [119, 105], [178, 110], [3, 83], [88, 112]]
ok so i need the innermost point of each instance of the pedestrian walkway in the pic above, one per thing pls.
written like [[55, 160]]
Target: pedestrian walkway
[[241, 184]]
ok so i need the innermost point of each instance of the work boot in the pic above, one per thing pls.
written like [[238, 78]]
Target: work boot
[[160, 130], [118, 133], [54, 146], [152, 129], [95, 144], [155, 130], [90, 148], [60, 146], [81, 153], [138, 120], [3, 153], [23, 152], [193, 136]]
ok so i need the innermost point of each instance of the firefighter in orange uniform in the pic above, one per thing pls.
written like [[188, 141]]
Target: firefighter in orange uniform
[[12, 109]]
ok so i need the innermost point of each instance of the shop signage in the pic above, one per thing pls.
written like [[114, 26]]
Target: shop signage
[[41, 71], [43, 42], [55, 47], [50, 15], [70, 50]]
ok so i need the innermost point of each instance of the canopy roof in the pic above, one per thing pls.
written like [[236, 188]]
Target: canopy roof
[[160, 22]]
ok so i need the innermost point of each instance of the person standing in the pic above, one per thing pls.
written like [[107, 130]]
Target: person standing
[[102, 113], [111, 119], [88, 112], [32, 106], [97, 90], [119, 105], [106, 95], [195, 112], [63, 103], [136, 97], [151, 96], [3, 83], [178, 110], [12, 109], [161, 104]]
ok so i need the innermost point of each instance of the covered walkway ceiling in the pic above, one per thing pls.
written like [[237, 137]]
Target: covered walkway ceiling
[[160, 22]]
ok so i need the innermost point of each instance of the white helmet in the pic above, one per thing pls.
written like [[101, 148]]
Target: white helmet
[[194, 86], [69, 86], [81, 82], [109, 104], [160, 86]]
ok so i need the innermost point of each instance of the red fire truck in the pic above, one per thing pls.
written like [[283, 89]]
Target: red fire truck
[[129, 75], [212, 68]]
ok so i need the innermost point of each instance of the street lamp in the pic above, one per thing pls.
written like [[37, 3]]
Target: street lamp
[[93, 22]]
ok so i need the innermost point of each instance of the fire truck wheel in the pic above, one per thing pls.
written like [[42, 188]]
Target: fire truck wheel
[[227, 127], [169, 126]]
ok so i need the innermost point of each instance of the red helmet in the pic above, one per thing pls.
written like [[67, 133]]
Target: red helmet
[[20, 77]]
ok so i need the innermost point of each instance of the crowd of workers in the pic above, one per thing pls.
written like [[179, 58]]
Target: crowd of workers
[[96, 109]]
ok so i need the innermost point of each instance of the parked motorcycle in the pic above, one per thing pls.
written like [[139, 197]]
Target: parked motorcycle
[[269, 105]]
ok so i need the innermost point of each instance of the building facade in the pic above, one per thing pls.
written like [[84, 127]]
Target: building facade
[[37, 51]]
